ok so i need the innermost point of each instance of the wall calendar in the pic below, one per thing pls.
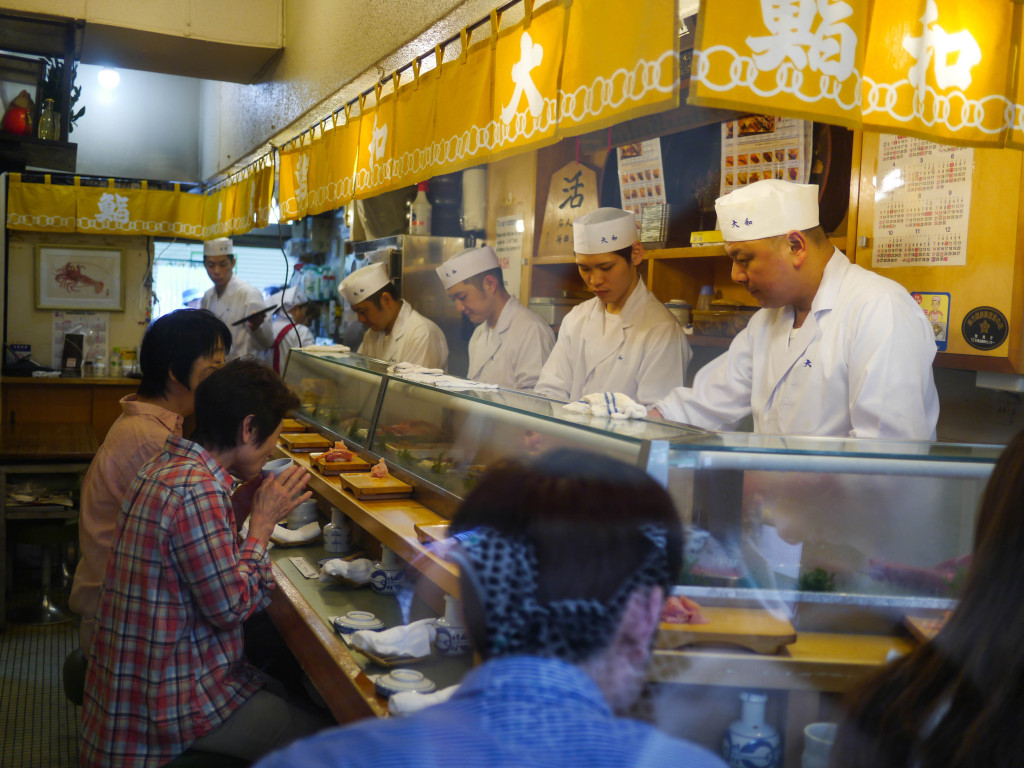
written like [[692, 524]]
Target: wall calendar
[[922, 203]]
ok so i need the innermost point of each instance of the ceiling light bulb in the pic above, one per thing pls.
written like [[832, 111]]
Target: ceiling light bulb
[[109, 78]]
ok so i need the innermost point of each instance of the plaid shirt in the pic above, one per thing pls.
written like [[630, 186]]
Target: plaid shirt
[[168, 665]]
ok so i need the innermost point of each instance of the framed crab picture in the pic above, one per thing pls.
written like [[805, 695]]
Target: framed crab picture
[[78, 277]]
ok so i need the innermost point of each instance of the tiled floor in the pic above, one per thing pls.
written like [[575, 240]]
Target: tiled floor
[[38, 725]]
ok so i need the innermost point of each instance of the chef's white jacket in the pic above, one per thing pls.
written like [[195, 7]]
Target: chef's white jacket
[[413, 339], [859, 366], [298, 335], [644, 358], [511, 353], [239, 300]]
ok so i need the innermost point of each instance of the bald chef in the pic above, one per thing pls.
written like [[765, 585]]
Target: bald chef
[[231, 299], [623, 340], [510, 343], [836, 350], [397, 332]]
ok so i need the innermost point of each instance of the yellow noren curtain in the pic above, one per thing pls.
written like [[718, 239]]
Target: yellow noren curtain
[[40, 207], [376, 146], [293, 181], [942, 70], [110, 210]]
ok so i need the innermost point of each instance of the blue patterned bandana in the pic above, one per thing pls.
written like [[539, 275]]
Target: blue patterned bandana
[[503, 571]]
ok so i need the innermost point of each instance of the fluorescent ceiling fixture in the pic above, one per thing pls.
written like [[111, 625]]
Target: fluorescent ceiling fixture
[[108, 78]]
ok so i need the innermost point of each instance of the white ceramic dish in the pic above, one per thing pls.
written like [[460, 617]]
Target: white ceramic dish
[[398, 680], [353, 621]]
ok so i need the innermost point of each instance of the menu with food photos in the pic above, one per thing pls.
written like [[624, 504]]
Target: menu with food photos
[[641, 181], [94, 326], [922, 203], [758, 147]]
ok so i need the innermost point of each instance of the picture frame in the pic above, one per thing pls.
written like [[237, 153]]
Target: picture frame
[[79, 277]]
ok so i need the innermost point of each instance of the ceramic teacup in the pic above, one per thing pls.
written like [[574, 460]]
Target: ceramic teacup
[[277, 466], [354, 621], [398, 680], [303, 514], [818, 738]]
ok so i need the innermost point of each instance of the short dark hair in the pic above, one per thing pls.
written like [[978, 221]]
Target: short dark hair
[[376, 297], [174, 342], [477, 280], [583, 513], [241, 388]]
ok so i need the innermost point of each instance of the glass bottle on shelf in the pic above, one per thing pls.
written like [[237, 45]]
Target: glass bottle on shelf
[[419, 219], [115, 363], [47, 121]]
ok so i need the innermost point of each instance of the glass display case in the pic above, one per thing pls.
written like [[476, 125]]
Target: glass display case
[[812, 525]]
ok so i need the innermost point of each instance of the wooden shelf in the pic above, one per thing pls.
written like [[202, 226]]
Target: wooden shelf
[[19, 152]]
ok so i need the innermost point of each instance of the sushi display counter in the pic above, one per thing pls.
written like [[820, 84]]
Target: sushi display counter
[[842, 543]]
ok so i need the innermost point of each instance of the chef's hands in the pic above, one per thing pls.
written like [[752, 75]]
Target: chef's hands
[[256, 322], [275, 498]]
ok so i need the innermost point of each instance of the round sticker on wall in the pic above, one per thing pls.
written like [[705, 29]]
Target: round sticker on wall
[[985, 328]]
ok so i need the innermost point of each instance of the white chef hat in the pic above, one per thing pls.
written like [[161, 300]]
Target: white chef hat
[[363, 283], [603, 231], [467, 263], [290, 298], [219, 246], [766, 209]]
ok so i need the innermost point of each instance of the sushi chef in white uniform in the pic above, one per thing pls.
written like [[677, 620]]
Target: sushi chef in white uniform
[[510, 343], [623, 340], [231, 299], [836, 350], [396, 333]]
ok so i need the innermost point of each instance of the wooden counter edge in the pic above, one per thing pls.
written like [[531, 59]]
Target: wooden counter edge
[[347, 691]]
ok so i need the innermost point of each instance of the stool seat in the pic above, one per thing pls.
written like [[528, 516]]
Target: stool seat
[[73, 676]]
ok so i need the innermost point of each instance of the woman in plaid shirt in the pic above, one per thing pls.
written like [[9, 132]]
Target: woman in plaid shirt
[[168, 669]]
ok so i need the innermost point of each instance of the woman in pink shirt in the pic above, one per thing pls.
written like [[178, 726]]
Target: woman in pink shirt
[[178, 351]]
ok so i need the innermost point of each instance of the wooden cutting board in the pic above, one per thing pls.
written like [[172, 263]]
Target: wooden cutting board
[[364, 486], [294, 425], [305, 441], [752, 628], [355, 464]]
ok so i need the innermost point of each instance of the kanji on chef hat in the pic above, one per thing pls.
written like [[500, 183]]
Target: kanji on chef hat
[[603, 231], [220, 246], [363, 283], [467, 263], [766, 209]]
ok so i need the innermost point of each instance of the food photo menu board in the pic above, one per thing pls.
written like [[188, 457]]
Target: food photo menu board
[[922, 203], [641, 181], [757, 147]]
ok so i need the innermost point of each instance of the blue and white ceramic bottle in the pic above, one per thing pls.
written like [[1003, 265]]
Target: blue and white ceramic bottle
[[451, 638], [750, 742], [388, 573]]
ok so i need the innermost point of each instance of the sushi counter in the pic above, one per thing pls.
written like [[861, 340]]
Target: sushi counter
[[803, 596]]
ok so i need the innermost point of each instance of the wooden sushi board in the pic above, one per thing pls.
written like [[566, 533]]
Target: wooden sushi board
[[428, 532], [752, 628], [924, 629], [355, 464], [365, 487], [305, 441], [294, 425]]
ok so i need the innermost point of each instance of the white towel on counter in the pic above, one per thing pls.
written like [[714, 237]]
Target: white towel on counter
[[403, 369], [354, 570], [454, 382], [407, 702], [323, 349], [412, 640], [613, 404], [308, 532]]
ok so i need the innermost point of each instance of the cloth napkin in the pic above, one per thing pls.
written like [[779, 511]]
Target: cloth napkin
[[323, 349], [613, 404], [454, 382], [306, 533], [400, 369], [353, 570], [407, 702], [411, 640]]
